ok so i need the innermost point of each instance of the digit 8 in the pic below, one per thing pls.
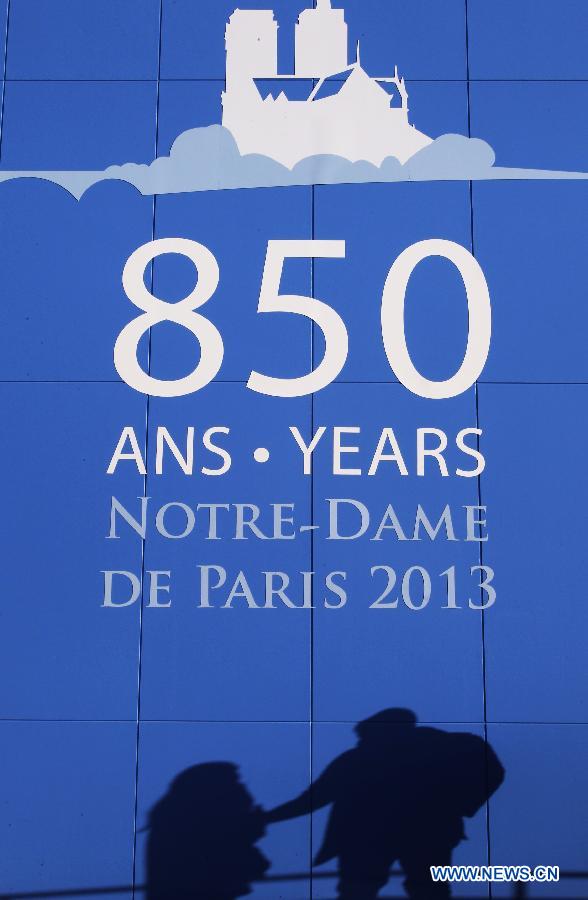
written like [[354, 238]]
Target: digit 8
[[181, 313]]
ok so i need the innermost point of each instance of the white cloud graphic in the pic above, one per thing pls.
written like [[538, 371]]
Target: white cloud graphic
[[207, 159]]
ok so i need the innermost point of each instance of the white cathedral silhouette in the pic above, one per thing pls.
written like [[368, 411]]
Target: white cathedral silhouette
[[347, 113]]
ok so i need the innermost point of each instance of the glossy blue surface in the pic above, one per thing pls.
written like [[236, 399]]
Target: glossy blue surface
[[546, 774], [101, 709], [67, 782], [533, 487]]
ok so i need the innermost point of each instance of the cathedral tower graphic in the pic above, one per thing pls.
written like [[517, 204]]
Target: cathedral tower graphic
[[343, 111]]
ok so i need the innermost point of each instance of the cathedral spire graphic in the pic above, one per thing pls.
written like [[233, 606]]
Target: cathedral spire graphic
[[345, 112]]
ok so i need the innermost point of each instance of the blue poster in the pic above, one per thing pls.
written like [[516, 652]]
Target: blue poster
[[294, 377]]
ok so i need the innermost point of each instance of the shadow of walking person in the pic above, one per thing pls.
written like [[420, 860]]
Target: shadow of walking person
[[202, 837], [399, 796]]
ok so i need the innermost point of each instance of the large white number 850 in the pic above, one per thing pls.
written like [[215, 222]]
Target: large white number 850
[[184, 314]]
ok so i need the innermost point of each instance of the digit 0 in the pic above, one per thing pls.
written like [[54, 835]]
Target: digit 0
[[181, 313], [480, 319]]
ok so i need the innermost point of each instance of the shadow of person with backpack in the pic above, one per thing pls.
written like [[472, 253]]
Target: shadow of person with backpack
[[202, 837], [399, 796]]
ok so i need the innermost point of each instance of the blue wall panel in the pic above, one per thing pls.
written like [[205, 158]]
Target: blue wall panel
[[527, 39], [546, 776], [371, 658], [53, 39], [61, 271], [197, 660], [272, 761], [386, 219], [535, 490], [76, 124], [67, 806], [63, 656], [100, 710], [529, 242]]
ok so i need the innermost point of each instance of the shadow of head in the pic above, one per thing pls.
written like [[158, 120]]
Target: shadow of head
[[395, 715], [202, 836]]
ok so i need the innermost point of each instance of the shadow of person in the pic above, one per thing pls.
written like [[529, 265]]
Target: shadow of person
[[202, 837], [399, 796]]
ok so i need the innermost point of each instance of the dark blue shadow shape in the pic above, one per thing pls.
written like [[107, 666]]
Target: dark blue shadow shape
[[202, 837], [399, 796]]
